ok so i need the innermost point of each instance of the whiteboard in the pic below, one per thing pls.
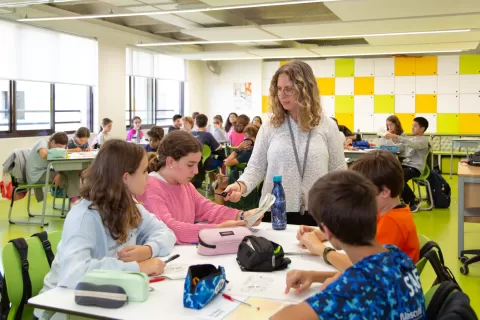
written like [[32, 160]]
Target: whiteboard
[[384, 67], [344, 86], [432, 121], [404, 103], [404, 85], [364, 67], [470, 103], [470, 83], [384, 85], [448, 65], [328, 105], [426, 84], [363, 104], [364, 122], [448, 84], [380, 122], [324, 68], [448, 103]]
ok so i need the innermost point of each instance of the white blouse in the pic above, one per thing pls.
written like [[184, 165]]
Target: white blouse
[[273, 155]]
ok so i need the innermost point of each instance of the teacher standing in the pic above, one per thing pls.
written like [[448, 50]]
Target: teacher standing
[[299, 143]]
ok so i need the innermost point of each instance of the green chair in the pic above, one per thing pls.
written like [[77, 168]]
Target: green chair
[[206, 153], [422, 261], [422, 181], [38, 269]]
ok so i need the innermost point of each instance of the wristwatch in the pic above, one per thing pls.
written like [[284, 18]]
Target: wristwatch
[[325, 253]]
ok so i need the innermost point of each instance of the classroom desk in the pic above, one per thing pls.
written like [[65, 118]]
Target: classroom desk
[[462, 142], [77, 161], [468, 199], [354, 155], [167, 298]]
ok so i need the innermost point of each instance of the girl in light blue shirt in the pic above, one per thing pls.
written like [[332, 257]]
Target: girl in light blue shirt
[[109, 229]]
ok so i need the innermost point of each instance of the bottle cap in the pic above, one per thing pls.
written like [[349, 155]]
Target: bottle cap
[[277, 178]]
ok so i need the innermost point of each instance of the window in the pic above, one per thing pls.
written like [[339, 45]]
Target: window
[[42, 108], [4, 103], [143, 99], [168, 101]]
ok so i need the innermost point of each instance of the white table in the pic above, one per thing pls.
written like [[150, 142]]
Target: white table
[[462, 142], [77, 161], [167, 298]]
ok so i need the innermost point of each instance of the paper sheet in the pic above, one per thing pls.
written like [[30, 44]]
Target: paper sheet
[[260, 309], [174, 271], [265, 205]]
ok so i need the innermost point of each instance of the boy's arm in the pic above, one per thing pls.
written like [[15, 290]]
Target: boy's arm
[[231, 160], [301, 311], [416, 144], [43, 153]]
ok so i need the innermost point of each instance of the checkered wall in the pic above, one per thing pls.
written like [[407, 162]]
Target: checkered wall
[[362, 93]]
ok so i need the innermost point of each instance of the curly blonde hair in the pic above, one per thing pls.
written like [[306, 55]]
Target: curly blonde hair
[[305, 86]]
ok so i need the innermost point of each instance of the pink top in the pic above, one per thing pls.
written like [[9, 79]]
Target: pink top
[[180, 206], [133, 132], [235, 138]]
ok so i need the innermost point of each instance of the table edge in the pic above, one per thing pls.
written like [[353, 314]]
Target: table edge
[[68, 312]]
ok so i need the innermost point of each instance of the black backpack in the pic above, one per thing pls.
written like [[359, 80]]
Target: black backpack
[[449, 303], [432, 252], [441, 192]]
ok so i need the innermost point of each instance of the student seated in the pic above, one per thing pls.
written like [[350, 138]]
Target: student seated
[[218, 132], [395, 223], [244, 150], [416, 152], [177, 123], [155, 135], [37, 164], [104, 134], [382, 283], [394, 126], [109, 229], [136, 126], [206, 138], [236, 135], [79, 141], [257, 121], [187, 124], [170, 195], [345, 131]]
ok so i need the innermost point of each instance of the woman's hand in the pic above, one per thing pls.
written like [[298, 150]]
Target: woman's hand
[[310, 241], [152, 267], [135, 253], [232, 223], [234, 192], [251, 213]]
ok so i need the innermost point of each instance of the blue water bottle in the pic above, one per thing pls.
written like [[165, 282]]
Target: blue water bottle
[[279, 208]]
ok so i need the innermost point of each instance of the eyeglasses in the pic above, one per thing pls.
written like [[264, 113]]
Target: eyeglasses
[[216, 123], [288, 91]]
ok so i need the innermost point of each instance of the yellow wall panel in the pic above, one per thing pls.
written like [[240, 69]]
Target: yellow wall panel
[[447, 123], [344, 67], [406, 119], [344, 104], [265, 105], [326, 86], [345, 119], [404, 66], [426, 66], [283, 62], [470, 64], [426, 103], [384, 104], [364, 85], [469, 123]]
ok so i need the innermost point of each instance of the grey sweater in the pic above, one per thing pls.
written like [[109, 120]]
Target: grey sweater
[[416, 151]]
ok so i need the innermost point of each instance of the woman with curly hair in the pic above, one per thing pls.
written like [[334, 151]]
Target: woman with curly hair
[[299, 142]]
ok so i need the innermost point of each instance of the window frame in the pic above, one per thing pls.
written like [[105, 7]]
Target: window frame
[[12, 131], [153, 83]]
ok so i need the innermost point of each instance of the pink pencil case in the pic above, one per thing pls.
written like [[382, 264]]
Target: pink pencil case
[[216, 241]]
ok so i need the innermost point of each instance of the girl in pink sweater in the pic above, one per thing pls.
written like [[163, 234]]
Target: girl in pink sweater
[[174, 200]]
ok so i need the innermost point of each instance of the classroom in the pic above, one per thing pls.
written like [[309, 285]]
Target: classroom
[[233, 159]]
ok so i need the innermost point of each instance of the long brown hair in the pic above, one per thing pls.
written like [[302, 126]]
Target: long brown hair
[[104, 187], [242, 121], [177, 144], [398, 125], [305, 85], [228, 124]]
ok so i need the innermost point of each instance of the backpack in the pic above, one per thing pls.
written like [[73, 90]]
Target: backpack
[[22, 247], [432, 252], [474, 159], [449, 303], [441, 192]]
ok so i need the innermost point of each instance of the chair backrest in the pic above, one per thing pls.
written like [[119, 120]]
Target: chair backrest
[[426, 170], [206, 153], [423, 261], [38, 269]]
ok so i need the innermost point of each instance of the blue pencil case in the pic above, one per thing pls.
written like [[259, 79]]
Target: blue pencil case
[[203, 283], [393, 149]]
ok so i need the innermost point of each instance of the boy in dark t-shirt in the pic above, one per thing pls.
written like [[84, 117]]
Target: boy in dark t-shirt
[[383, 282], [207, 139]]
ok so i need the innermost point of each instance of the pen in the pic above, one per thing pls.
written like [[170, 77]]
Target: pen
[[172, 258], [156, 280], [226, 296]]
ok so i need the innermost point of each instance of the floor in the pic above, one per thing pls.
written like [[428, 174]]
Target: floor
[[439, 225]]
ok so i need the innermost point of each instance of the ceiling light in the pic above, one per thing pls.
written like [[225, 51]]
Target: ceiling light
[[30, 2], [179, 43], [337, 55], [134, 14]]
